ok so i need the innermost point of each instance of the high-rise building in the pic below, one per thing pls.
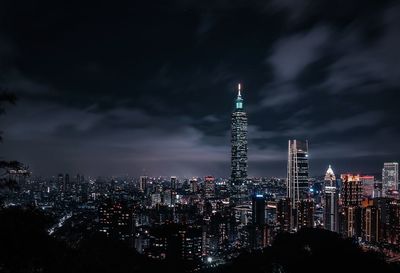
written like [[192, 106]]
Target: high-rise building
[[351, 198], [60, 181], [351, 221], [258, 229], [115, 220], [390, 177], [143, 183], [368, 186], [331, 198], [238, 142], [67, 185], [394, 222], [258, 210], [209, 186], [297, 171], [371, 224], [174, 183], [305, 214], [283, 214], [351, 190], [194, 186]]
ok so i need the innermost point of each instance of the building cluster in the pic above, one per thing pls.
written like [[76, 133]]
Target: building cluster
[[208, 220]]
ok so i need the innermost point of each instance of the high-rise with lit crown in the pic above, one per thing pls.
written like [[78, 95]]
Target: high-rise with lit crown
[[331, 201], [238, 142]]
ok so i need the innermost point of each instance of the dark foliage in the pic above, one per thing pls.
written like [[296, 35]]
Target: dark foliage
[[311, 250], [25, 246]]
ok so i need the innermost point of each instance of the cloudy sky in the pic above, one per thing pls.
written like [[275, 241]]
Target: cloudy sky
[[112, 88]]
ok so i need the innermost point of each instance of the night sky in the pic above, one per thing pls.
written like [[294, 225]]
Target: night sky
[[108, 88]]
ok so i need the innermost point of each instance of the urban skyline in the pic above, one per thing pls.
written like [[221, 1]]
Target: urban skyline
[[199, 136]]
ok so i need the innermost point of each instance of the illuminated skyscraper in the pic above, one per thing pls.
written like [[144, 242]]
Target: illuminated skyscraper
[[390, 177], [297, 171], [351, 190], [239, 142], [331, 197], [351, 199]]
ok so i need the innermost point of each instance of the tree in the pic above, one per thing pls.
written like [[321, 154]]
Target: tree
[[9, 170]]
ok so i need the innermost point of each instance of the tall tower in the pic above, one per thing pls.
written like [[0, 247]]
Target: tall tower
[[238, 142], [390, 177], [331, 198], [297, 171]]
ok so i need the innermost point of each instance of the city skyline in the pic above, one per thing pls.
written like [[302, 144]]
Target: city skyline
[[199, 136], [142, 88]]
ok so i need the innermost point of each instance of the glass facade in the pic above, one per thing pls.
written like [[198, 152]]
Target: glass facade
[[297, 171]]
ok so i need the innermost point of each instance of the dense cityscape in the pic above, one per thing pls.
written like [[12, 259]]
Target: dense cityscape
[[209, 221], [198, 136]]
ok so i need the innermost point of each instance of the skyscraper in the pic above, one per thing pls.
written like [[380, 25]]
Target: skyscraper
[[390, 177], [351, 190], [371, 224], [351, 199], [238, 142], [258, 210], [297, 171], [331, 198]]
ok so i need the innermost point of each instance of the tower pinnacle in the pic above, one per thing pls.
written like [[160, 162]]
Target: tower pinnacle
[[239, 100]]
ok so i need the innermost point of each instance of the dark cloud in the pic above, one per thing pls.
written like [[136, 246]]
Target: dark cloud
[[124, 88]]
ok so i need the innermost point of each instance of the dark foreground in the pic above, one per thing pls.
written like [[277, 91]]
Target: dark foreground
[[25, 246]]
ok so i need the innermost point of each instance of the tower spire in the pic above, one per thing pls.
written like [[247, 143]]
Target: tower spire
[[239, 100]]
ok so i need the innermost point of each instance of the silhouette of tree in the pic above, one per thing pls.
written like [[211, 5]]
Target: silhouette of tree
[[9, 170]]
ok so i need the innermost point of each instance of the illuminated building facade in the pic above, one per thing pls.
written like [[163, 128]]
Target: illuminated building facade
[[351, 190], [371, 224], [238, 142], [390, 177], [351, 198], [297, 171], [283, 214], [209, 187], [305, 214], [368, 186], [115, 220], [331, 200], [143, 180]]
